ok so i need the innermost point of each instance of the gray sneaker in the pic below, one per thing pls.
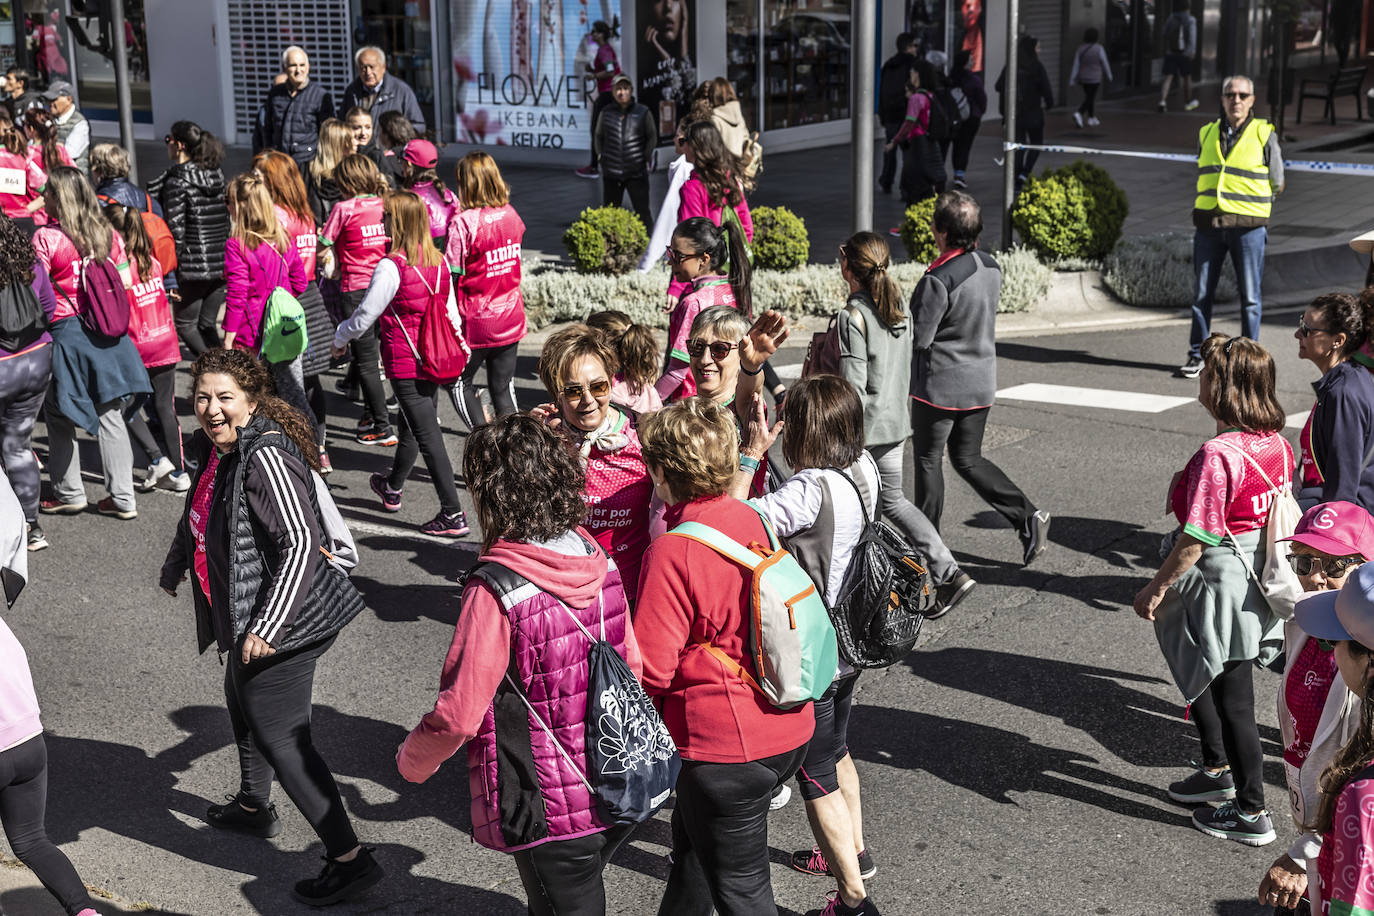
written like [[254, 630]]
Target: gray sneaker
[[1192, 368], [1203, 786], [1228, 823]]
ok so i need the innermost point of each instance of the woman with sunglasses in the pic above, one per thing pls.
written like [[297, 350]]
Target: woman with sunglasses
[[578, 367], [1339, 433], [1317, 714], [1212, 622]]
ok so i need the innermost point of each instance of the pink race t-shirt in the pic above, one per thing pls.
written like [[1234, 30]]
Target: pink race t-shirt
[[21, 181], [1221, 490], [918, 111], [60, 257], [618, 495], [1305, 689], [199, 517], [302, 232], [606, 67], [1309, 475], [1345, 868], [355, 230]]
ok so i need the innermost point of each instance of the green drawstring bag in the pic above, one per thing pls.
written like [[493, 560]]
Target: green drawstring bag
[[283, 328]]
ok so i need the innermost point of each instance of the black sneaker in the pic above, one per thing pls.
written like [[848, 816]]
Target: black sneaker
[[950, 594], [1203, 786], [833, 907], [263, 822], [340, 880], [1228, 823], [1036, 536], [812, 862], [1192, 368]]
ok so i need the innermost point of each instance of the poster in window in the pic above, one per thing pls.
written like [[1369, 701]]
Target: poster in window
[[520, 70], [970, 32], [925, 20], [666, 50]]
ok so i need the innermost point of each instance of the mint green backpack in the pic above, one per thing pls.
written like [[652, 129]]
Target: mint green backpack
[[791, 639], [282, 337]]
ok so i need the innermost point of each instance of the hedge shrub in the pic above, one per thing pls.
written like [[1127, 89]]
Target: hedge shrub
[[1157, 270], [780, 239], [1025, 279], [1107, 211], [606, 240], [917, 238], [1073, 212]]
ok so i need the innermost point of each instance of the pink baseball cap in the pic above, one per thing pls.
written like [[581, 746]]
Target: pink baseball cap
[[421, 153], [1336, 528]]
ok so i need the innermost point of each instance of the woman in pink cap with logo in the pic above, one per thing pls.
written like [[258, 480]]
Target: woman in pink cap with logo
[[418, 162], [1317, 714]]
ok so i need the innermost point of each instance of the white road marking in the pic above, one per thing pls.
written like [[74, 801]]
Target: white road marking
[[1296, 420], [791, 370], [1069, 395]]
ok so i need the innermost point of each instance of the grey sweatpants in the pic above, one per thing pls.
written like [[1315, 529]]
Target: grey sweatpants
[[116, 455], [910, 520]]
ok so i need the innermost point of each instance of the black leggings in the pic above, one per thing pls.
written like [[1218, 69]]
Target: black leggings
[[564, 877], [314, 395], [197, 314], [23, 803], [830, 742], [931, 429], [1089, 97], [1025, 159], [366, 352], [500, 362], [963, 144], [720, 837], [422, 435], [1225, 717], [25, 384], [164, 380], [269, 708]]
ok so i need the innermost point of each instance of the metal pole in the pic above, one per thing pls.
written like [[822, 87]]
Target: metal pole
[[861, 62], [1009, 124], [122, 92]]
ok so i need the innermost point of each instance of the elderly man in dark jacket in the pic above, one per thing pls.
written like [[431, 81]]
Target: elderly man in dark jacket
[[954, 373], [377, 92], [625, 137], [295, 109]]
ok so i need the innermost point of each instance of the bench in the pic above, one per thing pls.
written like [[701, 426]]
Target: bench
[[1347, 81]]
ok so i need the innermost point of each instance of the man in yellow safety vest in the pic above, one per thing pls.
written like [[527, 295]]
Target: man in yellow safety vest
[[1239, 173]]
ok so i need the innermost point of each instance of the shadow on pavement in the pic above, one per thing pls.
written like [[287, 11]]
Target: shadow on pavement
[[35, 901], [1241, 908], [1029, 353]]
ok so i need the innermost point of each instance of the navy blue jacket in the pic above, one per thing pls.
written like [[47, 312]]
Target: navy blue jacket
[[292, 124], [1343, 434], [392, 95]]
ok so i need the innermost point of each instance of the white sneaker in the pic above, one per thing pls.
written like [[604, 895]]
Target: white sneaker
[[1078, 118], [177, 482], [1093, 122], [783, 797], [1191, 106], [156, 471]]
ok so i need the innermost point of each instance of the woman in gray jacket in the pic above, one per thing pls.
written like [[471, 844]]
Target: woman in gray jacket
[[875, 357]]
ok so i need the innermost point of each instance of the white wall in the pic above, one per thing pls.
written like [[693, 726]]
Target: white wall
[[188, 63]]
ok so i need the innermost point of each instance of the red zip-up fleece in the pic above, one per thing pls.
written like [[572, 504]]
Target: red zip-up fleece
[[688, 593]]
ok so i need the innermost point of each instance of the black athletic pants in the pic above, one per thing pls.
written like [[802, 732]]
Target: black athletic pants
[[1025, 159], [563, 877], [963, 144], [500, 363], [931, 429], [720, 837], [1225, 717], [613, 192], [197, 315], [163, 405], [1088, 108], [366, 349], [422, 435], [269, 706], [23, 803], [889, 171]]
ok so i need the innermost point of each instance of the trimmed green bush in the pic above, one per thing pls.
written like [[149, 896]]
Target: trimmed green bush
[[916, 235], [780, 239], [606, 240], [1157, 270], [1107, 211], [1075, 212]]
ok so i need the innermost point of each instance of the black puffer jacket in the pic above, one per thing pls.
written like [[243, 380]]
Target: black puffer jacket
[[625, 138], [270, 555], [292, 124], [193, 204]]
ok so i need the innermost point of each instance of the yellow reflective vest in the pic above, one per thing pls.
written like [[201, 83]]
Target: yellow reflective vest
[[1237, 183]]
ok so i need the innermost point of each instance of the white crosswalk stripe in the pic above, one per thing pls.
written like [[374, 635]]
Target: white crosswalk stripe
[[1071, 396]]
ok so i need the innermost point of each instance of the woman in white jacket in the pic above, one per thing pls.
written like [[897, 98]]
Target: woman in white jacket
[[1317, 714]]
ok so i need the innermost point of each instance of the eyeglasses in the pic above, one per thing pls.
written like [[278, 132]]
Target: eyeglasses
[[1306, 330], [719, 348], [1236, 95], [597, 389], [1326, 645], [1335, 568], [673, 256], [167, 139]]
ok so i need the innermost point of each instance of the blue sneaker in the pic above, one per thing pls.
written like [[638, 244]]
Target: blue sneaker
[[1228, 822]]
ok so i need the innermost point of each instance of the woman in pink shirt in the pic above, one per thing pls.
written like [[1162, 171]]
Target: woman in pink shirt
[[93, 377], [21, 180], [712, 188], [354, 232]]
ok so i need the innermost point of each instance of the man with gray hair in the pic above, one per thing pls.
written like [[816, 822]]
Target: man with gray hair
[[1239, 173], [377, 92], [954, 373], [295, 109]]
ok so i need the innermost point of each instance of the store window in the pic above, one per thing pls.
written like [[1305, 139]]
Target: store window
[[742, 54], [404, 29], [48, 43], [93, 47], [806, 62]]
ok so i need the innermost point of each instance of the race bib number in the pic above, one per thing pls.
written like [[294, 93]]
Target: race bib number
[[12, 181]]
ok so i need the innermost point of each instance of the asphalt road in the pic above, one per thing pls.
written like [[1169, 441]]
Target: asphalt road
[[1015, 763]]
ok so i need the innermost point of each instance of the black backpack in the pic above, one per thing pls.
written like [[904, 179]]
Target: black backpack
[[21, 317], [885, 594], [944, 115]]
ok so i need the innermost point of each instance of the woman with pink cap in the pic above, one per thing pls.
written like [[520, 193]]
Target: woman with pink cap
[[418, 162], [1317, 714]]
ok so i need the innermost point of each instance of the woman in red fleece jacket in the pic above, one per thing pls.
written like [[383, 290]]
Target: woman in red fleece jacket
[[540, 580], [736, 747]]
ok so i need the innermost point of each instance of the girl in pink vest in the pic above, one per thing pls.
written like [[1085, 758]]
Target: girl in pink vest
[[484, 254], [355, 232], [418, 175], [153, 333], [21, 180], [409, 282], [541, 580], [696, 253]]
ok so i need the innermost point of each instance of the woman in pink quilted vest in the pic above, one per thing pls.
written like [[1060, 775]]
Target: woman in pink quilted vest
[[540, 578]]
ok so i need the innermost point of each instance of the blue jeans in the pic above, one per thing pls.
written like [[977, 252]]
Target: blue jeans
[[1210, 247]]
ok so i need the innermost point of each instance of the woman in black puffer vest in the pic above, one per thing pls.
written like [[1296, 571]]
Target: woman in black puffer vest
[[192, 196], [269, 597]]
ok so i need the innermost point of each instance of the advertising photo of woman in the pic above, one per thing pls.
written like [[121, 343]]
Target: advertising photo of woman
[[667, 75]]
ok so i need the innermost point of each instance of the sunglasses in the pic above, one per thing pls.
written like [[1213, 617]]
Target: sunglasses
[[1326, 645], [1306, 330], [673, 256], [1334, 568], [598, 389], [1236, 95], [719, 348]]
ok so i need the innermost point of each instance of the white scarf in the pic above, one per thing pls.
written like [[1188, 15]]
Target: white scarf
[[604, 437]]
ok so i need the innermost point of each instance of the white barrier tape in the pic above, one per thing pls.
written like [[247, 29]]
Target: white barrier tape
[[1294, 165]]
